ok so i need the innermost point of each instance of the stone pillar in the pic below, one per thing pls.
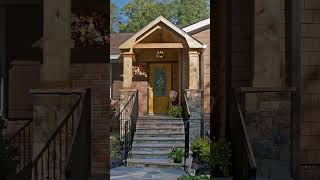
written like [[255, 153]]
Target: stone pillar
[[195, 107], [56, 43], [49, 108], [267, 54], [194, 69], [127, 70]]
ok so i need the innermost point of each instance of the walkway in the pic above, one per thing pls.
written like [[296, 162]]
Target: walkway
[[135, 173]]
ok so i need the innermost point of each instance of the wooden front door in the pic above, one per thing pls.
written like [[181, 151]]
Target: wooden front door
[[160, 81]]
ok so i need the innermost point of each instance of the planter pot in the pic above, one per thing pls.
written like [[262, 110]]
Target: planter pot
[[8, 169]]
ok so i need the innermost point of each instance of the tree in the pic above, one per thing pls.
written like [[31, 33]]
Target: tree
[[181, 12], [192, 11], [114, 17]]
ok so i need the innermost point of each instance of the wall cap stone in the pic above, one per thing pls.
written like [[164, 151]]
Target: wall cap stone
[[57, 91]]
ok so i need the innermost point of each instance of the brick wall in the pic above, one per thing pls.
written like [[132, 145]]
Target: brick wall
[[86, 75], [310, 99], [268, 118], [96, 76]]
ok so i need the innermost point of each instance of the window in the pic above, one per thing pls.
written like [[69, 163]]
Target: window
[[160, 81]]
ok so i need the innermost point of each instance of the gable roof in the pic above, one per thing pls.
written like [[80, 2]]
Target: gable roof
[[116, 39], [197, 26], [192, 43]]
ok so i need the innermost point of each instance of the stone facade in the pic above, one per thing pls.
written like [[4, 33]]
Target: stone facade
[[195, 106], [268, 119]]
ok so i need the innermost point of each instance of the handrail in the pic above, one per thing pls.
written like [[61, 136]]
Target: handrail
[[186, 131], [128, 124], [80, 149], [187, 105], [244, 164], [251, 155], [22, 141], [51, 159], [21, 129]]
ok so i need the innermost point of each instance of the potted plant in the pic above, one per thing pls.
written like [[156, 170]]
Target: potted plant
[[176, 155], [175, 111], [201, 155], [117, 151], [7, 163]]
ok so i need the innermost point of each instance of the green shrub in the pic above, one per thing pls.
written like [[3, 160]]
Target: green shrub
[[220, 157], [201, 149], [116, 147], [7, 151], [176, 155], [189, 177], [175, 111]]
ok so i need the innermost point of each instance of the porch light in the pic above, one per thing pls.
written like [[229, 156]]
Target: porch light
[[159, 54]]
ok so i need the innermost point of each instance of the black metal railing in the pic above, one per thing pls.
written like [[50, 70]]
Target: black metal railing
[[186, 117], [22, 141], [115, 121], [57, 158], [128, 118], [78, 164], [244, 165]]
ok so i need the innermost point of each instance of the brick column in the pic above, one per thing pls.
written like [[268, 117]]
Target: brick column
[[56, 43], [195, 107], [267, 54], [127, 70], [194, 69]]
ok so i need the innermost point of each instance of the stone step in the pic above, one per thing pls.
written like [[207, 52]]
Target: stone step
[[152, 134], [158, 117], [159, 121], [158, 140], [160, 125], [160, 130], [154, 163], [156, 147], [150, 154]]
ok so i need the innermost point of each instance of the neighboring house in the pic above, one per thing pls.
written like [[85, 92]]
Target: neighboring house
[[175, 61]]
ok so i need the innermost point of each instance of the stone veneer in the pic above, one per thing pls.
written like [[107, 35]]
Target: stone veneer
[[268, 119], [195, 107]]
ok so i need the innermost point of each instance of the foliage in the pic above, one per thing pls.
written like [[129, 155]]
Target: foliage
[[7, 151], [116, 147], [220, 157], [180, 12], [176, 155], [189, 177], [175, 111], [114, 17], [201, 149]]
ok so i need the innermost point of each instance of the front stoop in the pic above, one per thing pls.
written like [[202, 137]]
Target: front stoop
[[154, 139]]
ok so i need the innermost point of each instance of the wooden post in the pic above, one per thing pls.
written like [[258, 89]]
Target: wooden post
[[127, 70], [151, 101], [194, 69], [267, 54], [56, 44]]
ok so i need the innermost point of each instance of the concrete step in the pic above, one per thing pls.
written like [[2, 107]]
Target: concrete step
[[154, 163], [160, 130], [156, 147], [158, 117], [150, 154]]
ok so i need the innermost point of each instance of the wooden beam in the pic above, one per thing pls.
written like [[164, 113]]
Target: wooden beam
[[147, 34], [158, 46]]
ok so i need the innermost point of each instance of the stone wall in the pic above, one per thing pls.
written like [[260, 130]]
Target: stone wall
[[141, 86], [268, 119]]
